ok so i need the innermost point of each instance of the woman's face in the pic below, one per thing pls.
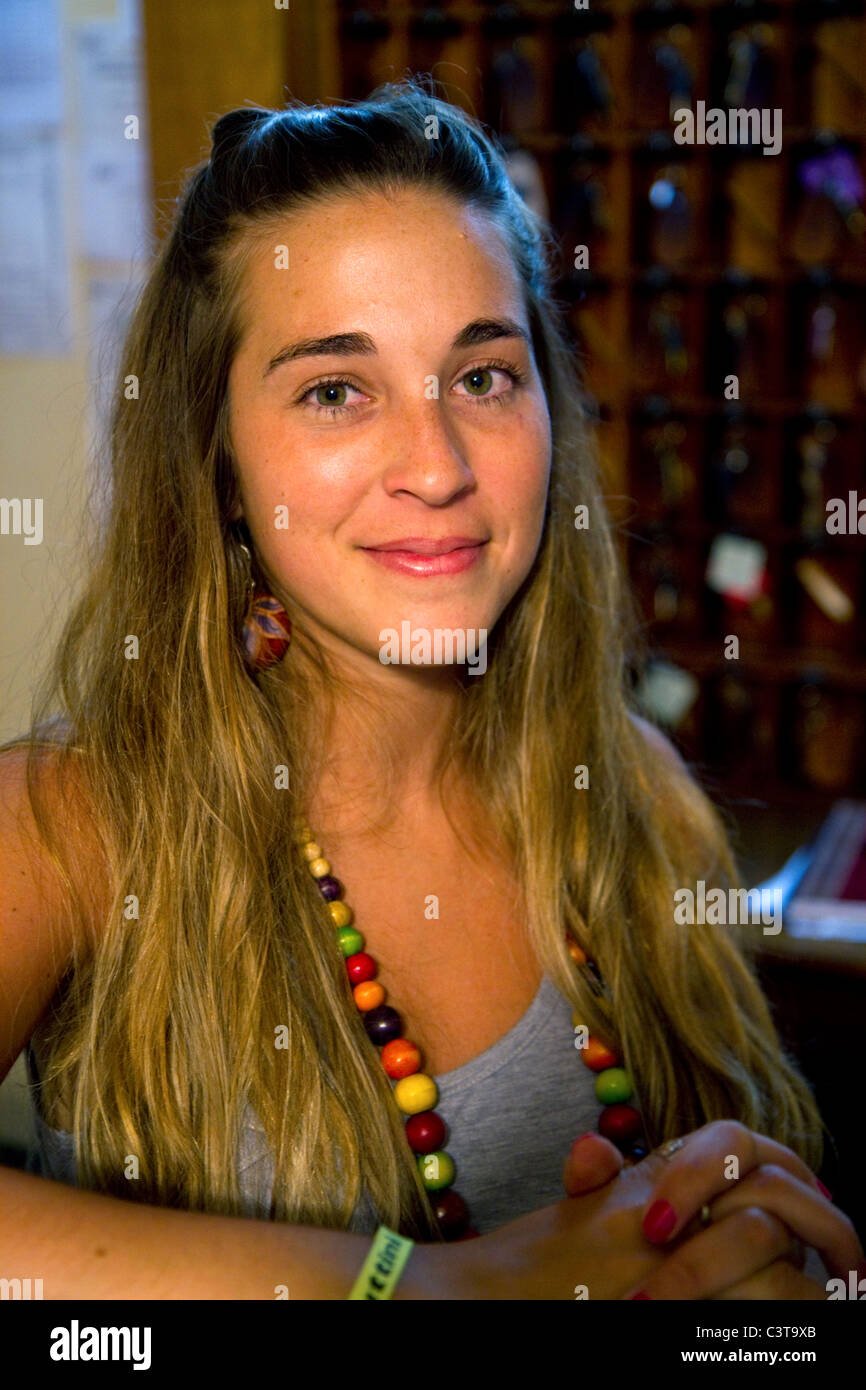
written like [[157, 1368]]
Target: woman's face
[[385, 390]]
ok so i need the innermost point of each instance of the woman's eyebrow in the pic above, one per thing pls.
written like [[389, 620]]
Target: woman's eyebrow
[[361, 344], [335, 345], [486, 330]]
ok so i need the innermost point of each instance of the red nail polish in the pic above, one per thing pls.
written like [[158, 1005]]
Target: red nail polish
[[659, 1221], [825, 1190], [640, 1294]]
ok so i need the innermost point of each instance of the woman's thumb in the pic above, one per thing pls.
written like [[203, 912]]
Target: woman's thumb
[[592, 1161]]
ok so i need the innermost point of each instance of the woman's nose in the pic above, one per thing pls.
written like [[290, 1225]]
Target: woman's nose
[[425, 454]]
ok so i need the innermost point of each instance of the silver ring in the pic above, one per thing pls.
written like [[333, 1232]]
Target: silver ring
[[668, 1149]]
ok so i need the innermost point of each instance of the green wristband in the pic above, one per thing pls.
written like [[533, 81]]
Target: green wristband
[[383, 1266]]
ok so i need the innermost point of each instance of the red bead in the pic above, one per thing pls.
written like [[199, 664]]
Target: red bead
[[452, 1213], [361, 967], [619, 1123], [425, 1132], [400, 1058]]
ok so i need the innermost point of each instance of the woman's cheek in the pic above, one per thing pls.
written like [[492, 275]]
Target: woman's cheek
[[539, 435], [533, 480]]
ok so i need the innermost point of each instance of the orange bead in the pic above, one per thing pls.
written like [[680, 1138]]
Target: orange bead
[[577, 955], [597, 1056], [400, 1058], [368, 995]]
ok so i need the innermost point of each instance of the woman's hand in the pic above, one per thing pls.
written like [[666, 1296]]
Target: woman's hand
[[589, 1245], [595, 1244], [759, 1194], [594, 1161]]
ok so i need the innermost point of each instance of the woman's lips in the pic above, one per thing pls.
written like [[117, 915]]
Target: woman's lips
[[410, 562]]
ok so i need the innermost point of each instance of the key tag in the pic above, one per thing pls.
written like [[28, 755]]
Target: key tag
[[737, 569]]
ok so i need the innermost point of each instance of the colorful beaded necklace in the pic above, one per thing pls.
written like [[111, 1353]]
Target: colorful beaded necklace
[[416, 1093]]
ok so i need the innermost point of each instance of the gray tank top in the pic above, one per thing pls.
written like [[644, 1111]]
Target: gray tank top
[[512, 1113]]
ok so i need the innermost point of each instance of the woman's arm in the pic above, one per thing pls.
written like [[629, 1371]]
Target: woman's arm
[[87, 1246], [83, 1245]]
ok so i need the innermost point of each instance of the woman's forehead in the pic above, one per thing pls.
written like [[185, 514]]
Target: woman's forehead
[[315, 265], [351, 222]]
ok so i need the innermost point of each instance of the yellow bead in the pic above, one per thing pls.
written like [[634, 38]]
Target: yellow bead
[[416, 1093], [341, 913], [319, 868], [311, 850]]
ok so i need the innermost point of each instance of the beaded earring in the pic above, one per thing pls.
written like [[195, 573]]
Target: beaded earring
[[267, 628]]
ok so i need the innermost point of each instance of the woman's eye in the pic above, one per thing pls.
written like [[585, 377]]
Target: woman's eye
[[487, 382], [479, 382], [330, 396], [332, 393]]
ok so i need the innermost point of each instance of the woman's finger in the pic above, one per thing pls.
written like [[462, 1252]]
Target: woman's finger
[[592, 1162], [806, 1213], [710, 1162], [719, 1256], [779, 1281]]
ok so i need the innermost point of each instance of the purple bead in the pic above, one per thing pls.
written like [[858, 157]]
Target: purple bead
[[382, 1024], [329, 887]]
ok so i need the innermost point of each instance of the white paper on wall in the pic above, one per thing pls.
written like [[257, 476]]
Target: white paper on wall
[[35, 297], [31, 87], [35, 292], [113, 173]]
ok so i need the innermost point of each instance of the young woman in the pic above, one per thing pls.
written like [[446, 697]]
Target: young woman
[[268, 918]]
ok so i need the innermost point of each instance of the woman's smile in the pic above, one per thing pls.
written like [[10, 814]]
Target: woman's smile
[[428, 558]]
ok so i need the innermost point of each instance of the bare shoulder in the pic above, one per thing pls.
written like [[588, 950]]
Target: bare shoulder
[[37, 937], [658, 740], [67, 799]]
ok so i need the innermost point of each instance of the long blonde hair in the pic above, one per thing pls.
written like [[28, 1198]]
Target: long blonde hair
[[164, 1034]]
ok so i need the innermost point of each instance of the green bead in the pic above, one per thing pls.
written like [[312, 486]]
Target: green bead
[[612, 1085], [436, 1169], [350, 940]]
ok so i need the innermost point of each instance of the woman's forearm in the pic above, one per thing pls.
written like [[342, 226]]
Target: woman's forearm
[[83, 1245]]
